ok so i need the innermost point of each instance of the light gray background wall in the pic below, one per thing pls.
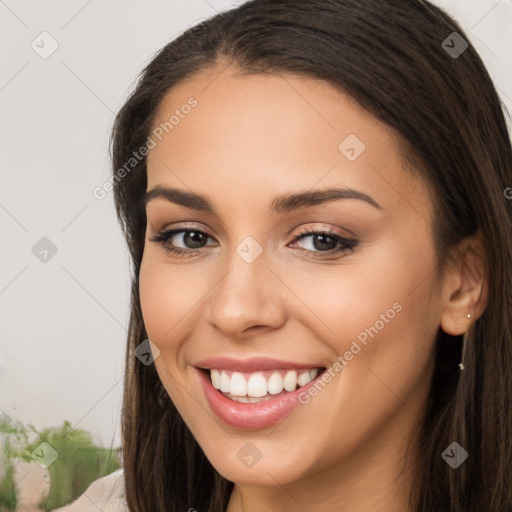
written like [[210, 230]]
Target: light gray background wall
[[63, 321]]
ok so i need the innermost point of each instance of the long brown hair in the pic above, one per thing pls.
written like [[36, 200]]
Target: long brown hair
[[390, 57]]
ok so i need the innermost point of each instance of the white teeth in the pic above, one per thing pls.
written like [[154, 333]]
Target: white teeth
[[290, 380], [238, 385], [304, 378], [254, 387], [249, 399], [257, 385], [224, 382], [243, 399], [275, 383], [215, 375]]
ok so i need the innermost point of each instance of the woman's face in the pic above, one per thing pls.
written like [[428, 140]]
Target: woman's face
[[307, 245]]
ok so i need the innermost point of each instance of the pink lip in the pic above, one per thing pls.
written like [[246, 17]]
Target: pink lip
[[253, 364], [251, 416]]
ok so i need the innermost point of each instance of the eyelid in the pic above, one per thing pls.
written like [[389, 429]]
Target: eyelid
[[165, 233], [307, 228], [341, 232]]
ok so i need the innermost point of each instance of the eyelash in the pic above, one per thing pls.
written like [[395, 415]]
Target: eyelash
[[345, 244]]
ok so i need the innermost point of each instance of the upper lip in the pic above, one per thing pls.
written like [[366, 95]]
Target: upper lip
[[252, 364]]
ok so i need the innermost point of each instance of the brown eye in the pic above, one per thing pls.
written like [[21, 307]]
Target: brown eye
[[181, 241], [193, 239], [321, 242]]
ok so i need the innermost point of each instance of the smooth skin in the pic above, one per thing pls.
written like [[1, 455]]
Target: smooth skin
[[250, 139]]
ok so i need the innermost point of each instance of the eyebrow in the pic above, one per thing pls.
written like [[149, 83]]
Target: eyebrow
[[281, 204]]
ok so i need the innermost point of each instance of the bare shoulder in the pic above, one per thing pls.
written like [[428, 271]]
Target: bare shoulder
[[106, 494]]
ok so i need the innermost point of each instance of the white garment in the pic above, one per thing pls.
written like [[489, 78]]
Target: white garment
[[106, 494]]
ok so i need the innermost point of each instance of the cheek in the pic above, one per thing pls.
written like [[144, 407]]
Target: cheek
[[386, 304], [345, 300], [156, 303], [168, 296]]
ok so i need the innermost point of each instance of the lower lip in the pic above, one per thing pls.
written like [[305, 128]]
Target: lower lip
[[251, 416]]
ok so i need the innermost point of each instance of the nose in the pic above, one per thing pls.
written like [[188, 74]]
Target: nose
[[246, 299]]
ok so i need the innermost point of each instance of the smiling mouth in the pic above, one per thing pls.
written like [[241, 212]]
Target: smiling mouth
[[256, 387]]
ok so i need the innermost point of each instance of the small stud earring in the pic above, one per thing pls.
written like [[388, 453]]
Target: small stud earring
[[468, 315]]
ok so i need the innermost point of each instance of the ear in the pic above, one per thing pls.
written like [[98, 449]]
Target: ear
[[465, 287]]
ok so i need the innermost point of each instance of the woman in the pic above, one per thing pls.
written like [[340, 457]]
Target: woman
[[313, 196]]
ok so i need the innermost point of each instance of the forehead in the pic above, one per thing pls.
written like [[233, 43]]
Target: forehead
[[274, 133]]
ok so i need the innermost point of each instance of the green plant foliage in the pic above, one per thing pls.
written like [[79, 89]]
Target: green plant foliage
[[78, 464], [7, 490]]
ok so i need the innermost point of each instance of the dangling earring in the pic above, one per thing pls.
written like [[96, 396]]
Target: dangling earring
[[464, 338]]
